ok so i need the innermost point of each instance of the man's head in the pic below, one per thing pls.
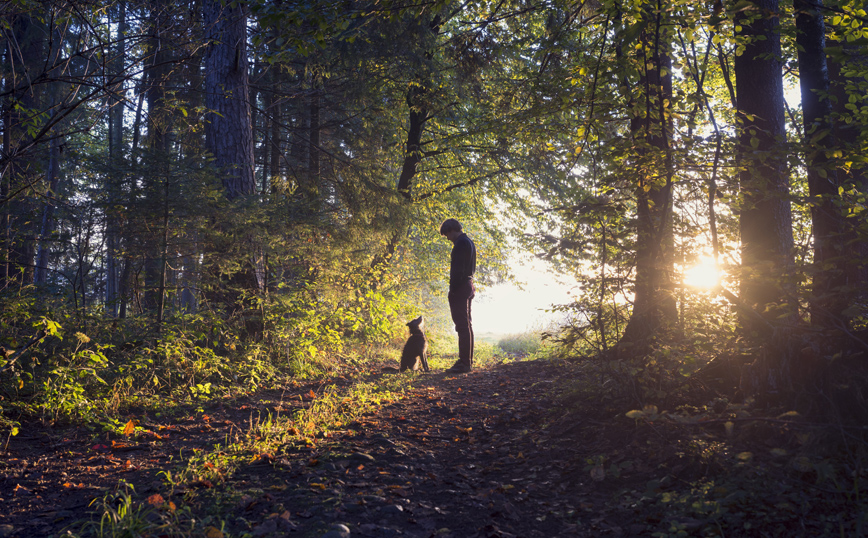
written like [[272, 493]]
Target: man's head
[[450, 225]]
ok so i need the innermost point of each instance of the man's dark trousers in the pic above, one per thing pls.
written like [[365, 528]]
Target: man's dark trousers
[[459, 304]]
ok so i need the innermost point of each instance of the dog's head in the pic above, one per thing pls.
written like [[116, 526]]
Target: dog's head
[[415, 324]]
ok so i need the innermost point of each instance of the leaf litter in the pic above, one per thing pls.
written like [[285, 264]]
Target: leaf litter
[[490, 454]]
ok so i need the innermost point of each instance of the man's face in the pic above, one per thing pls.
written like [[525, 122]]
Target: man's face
[[452, 235]]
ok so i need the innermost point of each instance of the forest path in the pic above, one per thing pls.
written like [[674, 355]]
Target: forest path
[[471, 455]]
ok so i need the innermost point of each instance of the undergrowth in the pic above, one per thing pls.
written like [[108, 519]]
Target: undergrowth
[[690, 455], [60, 365]]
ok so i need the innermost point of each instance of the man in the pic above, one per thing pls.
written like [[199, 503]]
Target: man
[[461, 291]]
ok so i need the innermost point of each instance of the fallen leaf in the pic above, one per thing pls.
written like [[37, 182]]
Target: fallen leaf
[[130, 428], [213, 532], [598, 473]]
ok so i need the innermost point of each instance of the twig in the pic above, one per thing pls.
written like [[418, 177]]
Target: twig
[[15, 356]]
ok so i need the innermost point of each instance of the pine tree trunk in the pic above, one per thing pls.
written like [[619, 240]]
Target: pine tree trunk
[[229, 133], [158, 126], [116, 136]]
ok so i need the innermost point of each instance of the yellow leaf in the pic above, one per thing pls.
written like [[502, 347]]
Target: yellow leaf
[[130, 428], [213, 532], [650, 409]]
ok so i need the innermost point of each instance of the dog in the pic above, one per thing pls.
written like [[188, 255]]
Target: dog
[[416, 348]]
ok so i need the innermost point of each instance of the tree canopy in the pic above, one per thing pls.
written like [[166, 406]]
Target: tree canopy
[[280, 169]]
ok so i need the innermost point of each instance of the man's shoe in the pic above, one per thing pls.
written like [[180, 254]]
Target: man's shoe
[[459, 368]]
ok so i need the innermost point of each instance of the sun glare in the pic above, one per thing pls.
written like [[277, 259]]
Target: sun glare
[[704, 275]]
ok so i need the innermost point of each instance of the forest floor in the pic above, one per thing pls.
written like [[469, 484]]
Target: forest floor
[[493, 453]]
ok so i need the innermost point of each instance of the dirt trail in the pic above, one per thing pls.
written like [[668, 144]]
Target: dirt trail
[[461, 456]]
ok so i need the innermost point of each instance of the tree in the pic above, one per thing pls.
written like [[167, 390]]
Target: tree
[[651, 130], [848, 73], [228, 128], [765, 221], [827, 301]]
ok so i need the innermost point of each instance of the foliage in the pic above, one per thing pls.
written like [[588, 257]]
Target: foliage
[[123, 514], [521, 345]]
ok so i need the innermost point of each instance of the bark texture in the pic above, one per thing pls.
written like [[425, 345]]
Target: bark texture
[[228, 129], [765, 222]]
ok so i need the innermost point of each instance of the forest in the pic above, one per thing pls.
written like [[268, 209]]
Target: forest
[[219, 203]]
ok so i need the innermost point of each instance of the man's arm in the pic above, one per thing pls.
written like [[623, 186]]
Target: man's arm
[[463, 260]]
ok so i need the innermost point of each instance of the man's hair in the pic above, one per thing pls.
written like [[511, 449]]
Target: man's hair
[[450, 225]]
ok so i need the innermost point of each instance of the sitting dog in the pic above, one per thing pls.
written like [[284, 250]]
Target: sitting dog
[[415, 349]]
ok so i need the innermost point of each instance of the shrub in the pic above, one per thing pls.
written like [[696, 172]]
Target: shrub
[[523, 344]]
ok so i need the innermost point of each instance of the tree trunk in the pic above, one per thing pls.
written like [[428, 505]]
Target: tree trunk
[[274, 138], [847, 63], [47, 226], [765, 222], [417, 105], [827, 302], [229, 133], [654, 304], [113, 191], [25, 54], [413, 147], [158, 126], [314, 179]]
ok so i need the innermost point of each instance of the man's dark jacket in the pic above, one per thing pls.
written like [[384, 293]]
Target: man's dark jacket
[[463, 264]]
